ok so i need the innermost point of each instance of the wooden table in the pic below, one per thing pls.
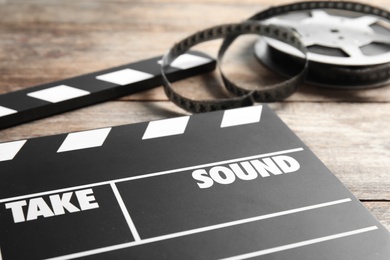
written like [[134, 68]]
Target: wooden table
[[48, 40]]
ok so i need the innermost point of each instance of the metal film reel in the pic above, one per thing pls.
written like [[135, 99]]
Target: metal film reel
[[345, 49]]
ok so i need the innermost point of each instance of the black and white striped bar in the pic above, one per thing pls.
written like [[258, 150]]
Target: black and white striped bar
[[61, 96], [234, 184]]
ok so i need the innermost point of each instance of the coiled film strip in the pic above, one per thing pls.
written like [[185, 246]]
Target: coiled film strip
[[379, 73], [244, 97]]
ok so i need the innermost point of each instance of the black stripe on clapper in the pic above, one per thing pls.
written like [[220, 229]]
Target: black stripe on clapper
[[68, 94]]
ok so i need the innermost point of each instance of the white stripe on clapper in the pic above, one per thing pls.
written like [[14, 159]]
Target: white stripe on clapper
[[9, 150], [5, 111], [166, 127], [125, 76], [58, 94], [241, 116], [186, 61], [84, 139], [125, 213]]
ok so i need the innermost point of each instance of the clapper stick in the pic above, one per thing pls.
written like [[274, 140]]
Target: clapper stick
[[56, 97]]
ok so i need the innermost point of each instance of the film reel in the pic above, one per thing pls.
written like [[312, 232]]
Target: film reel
[[344, 45], [348, 48]]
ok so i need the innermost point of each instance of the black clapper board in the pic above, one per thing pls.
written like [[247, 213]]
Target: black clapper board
[[56, 97], [234, 184]]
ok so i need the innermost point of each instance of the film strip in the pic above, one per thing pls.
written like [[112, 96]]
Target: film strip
[[61, 96], [244, 97], [165, 189], [297, 66]]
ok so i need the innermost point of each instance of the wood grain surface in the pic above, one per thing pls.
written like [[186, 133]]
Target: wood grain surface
[[47, 40]]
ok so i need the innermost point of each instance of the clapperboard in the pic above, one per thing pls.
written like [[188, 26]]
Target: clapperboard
[[56, 97], [234, 184]]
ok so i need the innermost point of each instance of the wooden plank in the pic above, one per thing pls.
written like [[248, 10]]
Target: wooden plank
[[352, 139], [380, 210], [46, 40]]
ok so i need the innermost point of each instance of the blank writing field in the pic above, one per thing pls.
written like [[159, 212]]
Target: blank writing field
[[301, 243]]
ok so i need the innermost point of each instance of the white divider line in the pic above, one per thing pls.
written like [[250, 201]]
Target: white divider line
[[301, 244], [198, 230], [208, 165], [1, 258], [125, 212], [150, 175]]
